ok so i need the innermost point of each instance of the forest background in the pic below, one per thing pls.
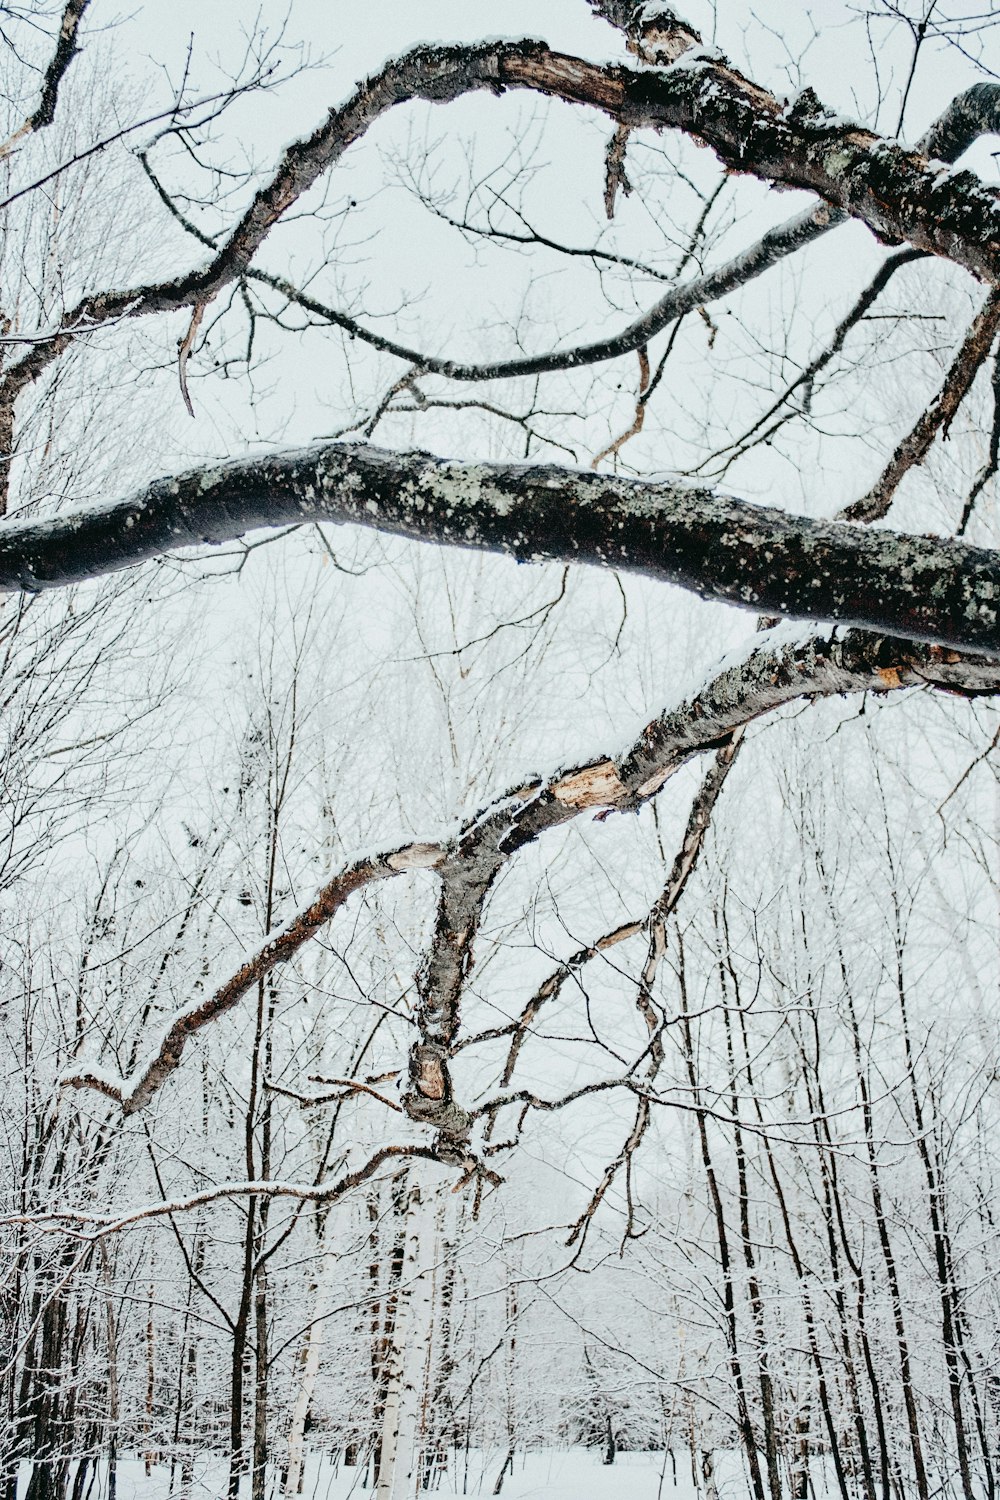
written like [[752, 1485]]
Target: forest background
[[652, 1107]]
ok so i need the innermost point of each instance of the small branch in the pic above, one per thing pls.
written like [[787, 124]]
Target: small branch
[[350, 1086], [805, 380], [992, 463], [936, 418], [143, 158], [184, 347], [135, 1091], [615, 178], [983, 755], [637, 420]]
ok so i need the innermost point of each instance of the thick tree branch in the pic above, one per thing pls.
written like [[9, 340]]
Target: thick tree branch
[[895, 191], [720, 547]]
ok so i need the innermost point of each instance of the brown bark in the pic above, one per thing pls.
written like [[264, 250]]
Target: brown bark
[[63, 54], [937, 417]]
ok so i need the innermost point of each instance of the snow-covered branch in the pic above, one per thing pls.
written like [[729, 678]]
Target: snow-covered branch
[[721, 547], [774, 668], [92, 1226]]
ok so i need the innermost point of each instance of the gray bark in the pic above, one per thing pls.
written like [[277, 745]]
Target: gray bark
[[720, 547]]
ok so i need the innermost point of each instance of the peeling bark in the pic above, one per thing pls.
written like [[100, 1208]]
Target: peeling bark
[[778, 667], [65, 51]]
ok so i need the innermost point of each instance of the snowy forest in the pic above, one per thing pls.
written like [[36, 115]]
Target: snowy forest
[[499, 655]]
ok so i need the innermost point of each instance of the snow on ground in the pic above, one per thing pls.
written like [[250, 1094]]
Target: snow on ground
[[551, 1474]]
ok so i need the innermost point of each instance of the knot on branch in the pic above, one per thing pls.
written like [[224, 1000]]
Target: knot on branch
[[659, 36], [807, 109], [429, 1099], [654, 33]]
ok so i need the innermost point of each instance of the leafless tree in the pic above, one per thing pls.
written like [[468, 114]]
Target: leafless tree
[[247, 268]]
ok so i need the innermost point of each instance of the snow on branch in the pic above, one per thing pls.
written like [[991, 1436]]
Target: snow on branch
[[278, 947], [80, 1224], [720, 547], [773, 668]]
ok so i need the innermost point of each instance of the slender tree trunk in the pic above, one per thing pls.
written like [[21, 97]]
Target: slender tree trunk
[[150, 1456], [261, 1367], [949, 1333], [111, 1325], [307, 1365], [399, 1450], [237, 1375], [753, 1284], [440, 1428], [743, 1418], [798, 1264]]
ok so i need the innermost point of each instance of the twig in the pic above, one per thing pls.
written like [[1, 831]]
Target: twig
[[184, 350], [937, 417]]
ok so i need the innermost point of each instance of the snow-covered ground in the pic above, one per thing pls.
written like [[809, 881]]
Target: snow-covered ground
[[555, 1474]]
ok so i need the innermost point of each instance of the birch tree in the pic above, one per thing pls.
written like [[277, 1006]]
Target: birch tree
[[523, 994]]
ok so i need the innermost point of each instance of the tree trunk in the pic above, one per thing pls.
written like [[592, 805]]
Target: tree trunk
[[308, 1361], [399, 1465]]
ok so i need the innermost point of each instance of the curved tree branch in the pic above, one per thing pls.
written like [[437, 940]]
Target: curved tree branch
[[971, 114], [784, 239], [777, 667], [93, 1226], [720, 547]]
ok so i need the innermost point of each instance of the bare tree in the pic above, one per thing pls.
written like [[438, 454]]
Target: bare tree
[[495, 949]]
